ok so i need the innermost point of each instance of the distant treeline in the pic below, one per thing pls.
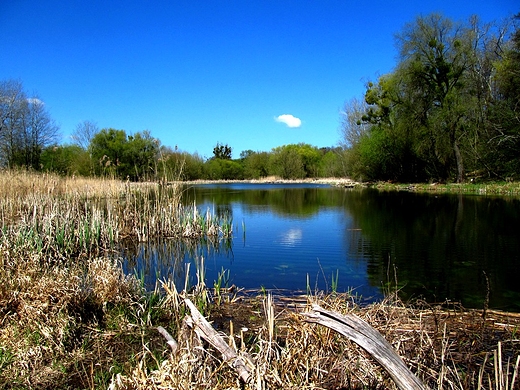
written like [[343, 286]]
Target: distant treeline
[[140, 157], [449, 111]]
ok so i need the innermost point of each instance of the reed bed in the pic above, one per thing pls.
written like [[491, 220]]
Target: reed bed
[[69, 317], [74, 217]]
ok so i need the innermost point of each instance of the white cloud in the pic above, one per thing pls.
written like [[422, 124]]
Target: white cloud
[[35, 101], [289, 120]]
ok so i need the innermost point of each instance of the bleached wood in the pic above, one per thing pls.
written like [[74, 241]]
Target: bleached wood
[[169, 339], [204, 329], [371, 341]]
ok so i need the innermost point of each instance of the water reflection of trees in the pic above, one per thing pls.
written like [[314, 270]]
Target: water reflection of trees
[[298, 201], [167, 259], [441, 246]]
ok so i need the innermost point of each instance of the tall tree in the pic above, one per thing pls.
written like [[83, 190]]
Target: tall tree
[[141, 155], [25, 128], [39, 131], [108, 152], [450, 105], [12, 105], [435, 61], [83, 133], [504, 114]]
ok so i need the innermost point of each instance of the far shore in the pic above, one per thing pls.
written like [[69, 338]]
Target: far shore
[[335, 181], [478, 188]]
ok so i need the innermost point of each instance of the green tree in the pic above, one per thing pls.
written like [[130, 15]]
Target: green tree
[[222, 152], [108, 152], [126, 157], [450, 106], [435, 63], [177, 165], [66, 160], [286, 162], [331, 164], [140, 156], [385, 150], [503, 123], [223, 169], [311, 158], [256, 165]]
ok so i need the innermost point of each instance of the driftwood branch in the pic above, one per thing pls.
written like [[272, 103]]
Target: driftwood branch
[[371, 341], [169, 339], [204, 329]]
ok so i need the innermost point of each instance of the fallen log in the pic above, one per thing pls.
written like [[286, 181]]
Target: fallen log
[[204, 329], [371, 341]]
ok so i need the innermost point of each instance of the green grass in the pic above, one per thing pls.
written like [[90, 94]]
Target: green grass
[[481, 188]]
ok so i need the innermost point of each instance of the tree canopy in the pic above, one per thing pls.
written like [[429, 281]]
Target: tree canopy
[[448, 108]]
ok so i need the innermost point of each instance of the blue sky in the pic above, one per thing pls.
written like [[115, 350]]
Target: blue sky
[[195, 73]]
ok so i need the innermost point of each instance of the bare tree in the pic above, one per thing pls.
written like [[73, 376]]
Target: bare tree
[[12, 98], [25, 126], [38, 131], [84, 133], [352, 126]]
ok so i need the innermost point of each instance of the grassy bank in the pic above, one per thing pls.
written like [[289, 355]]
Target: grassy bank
[[71, 319], [482, 188]]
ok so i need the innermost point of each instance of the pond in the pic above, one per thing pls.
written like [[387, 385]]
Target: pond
[[299, 237]]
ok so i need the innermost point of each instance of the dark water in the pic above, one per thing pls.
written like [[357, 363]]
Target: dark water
[[295, 237]]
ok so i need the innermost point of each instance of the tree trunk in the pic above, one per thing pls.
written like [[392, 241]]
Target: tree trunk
[[458, 160]]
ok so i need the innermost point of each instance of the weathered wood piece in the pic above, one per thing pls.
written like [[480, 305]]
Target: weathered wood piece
[[371, 341], [169, 339], [204, 329]]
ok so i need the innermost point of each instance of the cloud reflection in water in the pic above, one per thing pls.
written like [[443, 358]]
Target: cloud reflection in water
[[291, 237]]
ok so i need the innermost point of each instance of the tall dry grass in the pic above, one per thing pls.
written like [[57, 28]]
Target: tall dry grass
[[69, 317], [75, 216], [446, 348]]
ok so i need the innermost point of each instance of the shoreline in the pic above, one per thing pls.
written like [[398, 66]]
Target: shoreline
[[274, 180], [481, 188]]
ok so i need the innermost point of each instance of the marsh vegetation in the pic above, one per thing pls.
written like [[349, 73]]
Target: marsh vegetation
[[71, 318]]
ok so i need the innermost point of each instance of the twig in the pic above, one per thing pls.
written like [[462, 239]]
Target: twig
[[169, 339]]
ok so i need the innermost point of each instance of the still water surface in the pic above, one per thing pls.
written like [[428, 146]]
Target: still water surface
[[292, 237]]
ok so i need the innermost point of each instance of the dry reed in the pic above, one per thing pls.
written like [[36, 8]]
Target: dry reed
[[446, 348], [69, 317]]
